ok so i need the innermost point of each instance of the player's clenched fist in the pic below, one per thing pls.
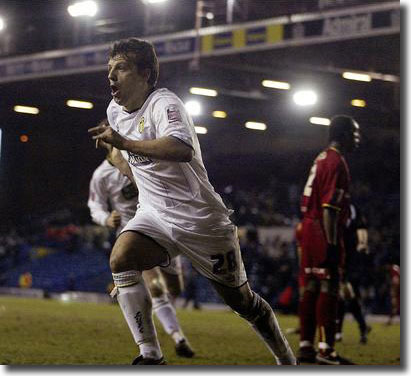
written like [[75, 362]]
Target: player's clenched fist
[[105, 133], [114, 220]]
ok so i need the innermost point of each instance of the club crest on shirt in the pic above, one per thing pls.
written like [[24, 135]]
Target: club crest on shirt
[[141, 125], [173, 114]]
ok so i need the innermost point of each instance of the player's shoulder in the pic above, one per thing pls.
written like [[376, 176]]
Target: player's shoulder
[[333, 157], [165, 97]]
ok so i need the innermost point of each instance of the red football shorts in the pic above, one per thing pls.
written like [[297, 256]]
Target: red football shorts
[[314, 251]]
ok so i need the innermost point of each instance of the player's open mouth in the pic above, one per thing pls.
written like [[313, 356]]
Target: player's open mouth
[[114, 90]]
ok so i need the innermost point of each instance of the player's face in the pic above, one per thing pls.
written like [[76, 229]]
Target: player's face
[[128, 86]]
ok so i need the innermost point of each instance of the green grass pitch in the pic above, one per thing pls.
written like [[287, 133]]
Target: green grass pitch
[[48, 332]]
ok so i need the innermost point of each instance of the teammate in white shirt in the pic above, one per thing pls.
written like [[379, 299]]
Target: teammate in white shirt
[[111, 190], [180, 213]]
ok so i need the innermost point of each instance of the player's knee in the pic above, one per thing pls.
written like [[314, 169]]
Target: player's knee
[[238, 301], [118, 262], [174, 287], [156, 287], [175, 291]]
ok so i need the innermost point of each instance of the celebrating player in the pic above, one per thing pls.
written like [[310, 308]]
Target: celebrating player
[[110, 189], [325, 205], [179, 212]]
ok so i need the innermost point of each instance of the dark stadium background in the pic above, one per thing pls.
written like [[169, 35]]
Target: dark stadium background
[[50, 173]]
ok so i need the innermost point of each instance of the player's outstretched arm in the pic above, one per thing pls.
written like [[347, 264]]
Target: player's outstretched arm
[[164, 148]]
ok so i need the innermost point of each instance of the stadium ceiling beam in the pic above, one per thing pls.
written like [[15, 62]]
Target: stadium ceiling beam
[[289, 31], [294, 67]]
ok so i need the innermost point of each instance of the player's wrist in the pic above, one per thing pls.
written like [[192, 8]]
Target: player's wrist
[[126, 144]]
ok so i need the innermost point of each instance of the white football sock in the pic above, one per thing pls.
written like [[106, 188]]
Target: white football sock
[[166, 314], [135, 302]]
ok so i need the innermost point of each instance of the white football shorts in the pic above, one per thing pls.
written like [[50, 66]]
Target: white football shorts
[[213, 253]]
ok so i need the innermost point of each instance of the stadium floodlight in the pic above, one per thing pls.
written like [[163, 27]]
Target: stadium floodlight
[[320, 120], [154, 1], [2, 24], [203, 91], [26, 110], [79, 104], [305, 98], [256, 125], [193, 108], [358, 103], [200, 130], [83, 8], [276, 84], [357, 76], [220, 114]]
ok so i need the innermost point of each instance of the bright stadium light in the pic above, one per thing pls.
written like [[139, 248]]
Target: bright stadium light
[[154, 1], [200, 130], [2, 24], [357, 76], [220, 114], [79, 104], [193, 108], [256, 125], [358, 103], [83, 8], [305, 98], [26, 110], [203, 91], [276, 85], [320, 120]]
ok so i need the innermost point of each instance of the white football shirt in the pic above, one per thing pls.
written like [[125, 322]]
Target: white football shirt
[[111, 190], [179, 191]]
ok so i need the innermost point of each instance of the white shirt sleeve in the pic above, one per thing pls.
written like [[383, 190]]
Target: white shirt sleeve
[[98, 200], [171, 119]]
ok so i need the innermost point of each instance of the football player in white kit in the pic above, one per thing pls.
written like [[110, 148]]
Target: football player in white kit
[[179, 213], [113, 201]]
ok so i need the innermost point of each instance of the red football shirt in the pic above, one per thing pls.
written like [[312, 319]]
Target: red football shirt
[[327, 186]]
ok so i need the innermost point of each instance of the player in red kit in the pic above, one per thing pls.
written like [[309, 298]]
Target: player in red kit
[[395, 294], [325, 207]]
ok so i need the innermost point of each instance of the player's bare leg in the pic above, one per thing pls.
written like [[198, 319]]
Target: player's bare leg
[[174, 283], [261, 317], [164, 309], [309, 291], [132, 253]]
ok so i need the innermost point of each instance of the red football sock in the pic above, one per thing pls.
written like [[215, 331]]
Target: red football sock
[[326, 317]]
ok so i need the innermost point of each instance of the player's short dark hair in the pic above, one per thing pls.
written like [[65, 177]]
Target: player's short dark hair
[[139, 51], [340, 126]]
